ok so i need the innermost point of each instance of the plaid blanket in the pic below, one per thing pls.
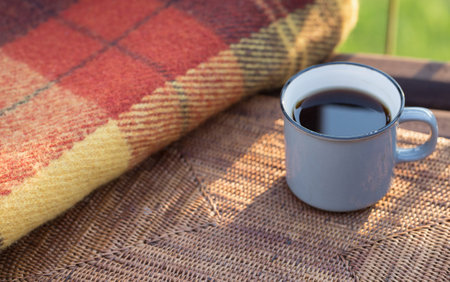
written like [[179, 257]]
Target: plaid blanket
[[88, 89]]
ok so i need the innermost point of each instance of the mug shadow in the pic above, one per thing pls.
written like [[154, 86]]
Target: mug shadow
[[276, 231]]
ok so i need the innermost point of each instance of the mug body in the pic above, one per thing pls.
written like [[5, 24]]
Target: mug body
[[340, 173]]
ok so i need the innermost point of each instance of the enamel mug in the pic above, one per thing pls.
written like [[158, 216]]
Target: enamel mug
[[337, 173]]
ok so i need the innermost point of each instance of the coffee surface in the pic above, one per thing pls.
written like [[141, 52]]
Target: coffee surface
[[341, 113]]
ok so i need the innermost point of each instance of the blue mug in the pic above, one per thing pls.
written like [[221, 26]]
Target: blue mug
[[342, 174]]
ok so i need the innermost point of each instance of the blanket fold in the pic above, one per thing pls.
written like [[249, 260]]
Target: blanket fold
[[89, 89]]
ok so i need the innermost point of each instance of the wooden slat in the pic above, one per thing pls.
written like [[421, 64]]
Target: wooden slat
[[424, 82]]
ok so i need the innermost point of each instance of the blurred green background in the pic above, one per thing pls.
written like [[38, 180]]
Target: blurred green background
[[423, 29]]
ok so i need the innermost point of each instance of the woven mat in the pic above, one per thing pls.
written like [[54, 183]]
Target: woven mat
[[216, 206]]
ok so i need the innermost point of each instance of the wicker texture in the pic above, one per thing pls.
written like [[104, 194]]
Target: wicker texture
[[89, 89], [215, 206]]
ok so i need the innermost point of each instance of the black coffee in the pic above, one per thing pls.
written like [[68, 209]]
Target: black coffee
[[341, 112]]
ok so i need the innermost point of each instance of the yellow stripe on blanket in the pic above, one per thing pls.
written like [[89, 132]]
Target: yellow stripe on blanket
[[94, 161]]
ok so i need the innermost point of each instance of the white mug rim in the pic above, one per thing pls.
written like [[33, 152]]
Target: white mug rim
[[343, 138]]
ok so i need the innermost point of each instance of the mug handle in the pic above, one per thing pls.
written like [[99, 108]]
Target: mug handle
[[422, 151]]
